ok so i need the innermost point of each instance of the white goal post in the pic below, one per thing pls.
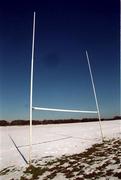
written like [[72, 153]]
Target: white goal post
[[56, 110]]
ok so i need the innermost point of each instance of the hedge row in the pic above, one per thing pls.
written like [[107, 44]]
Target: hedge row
[[60, 121]]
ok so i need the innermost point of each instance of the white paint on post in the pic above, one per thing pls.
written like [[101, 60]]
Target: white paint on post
[[31, 90], [96, 101], [63, 110]]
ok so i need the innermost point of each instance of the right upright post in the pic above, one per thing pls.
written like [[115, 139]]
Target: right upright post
[[96, 101]]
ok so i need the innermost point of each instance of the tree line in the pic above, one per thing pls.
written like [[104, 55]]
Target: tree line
[[59, 121]]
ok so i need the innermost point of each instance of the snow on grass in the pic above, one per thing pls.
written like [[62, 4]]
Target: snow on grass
[[96, 162], [65, 151]]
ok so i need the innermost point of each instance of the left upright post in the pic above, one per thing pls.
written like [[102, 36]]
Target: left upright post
[[31, 90]]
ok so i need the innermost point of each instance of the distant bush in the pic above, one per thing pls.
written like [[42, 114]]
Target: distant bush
[[116, 117], [89, 119], [4, 123], [19, 122]]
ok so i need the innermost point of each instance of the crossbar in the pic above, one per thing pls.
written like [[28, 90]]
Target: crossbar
[[63, 110]]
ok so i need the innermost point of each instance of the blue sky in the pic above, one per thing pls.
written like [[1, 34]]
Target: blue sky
[[64, 30]]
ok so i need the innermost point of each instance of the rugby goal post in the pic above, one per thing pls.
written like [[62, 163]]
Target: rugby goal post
[[55, 109]]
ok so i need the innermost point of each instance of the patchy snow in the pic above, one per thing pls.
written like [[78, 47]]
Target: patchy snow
[[60, 177], [54, 141]]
